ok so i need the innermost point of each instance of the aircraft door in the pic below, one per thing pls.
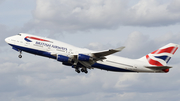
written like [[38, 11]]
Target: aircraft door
[[135, 68]]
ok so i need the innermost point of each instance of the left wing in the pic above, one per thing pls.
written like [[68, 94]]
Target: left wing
[[85, 60], [101, 55]]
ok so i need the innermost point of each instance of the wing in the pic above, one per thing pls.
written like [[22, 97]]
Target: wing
[[84, 60], [101, 55], [93, 57]]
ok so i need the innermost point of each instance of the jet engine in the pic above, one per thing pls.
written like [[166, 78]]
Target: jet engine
[[83, 57], [63, 58]]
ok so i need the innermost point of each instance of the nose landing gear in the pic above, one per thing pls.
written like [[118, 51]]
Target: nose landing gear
[[20, 56]]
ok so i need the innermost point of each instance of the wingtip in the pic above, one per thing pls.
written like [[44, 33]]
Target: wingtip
[[120, 48]]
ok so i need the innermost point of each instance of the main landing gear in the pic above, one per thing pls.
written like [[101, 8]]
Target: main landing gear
[[20, 56], [77, 70], [82, 69]]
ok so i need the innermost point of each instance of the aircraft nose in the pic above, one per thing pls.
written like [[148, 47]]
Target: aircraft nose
[[7, 40]]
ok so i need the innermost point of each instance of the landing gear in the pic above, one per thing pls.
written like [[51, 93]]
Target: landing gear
[[20, 56], [84, 70], [77, 70]]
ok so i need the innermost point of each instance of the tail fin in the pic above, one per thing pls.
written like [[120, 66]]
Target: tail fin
[[161, 56]]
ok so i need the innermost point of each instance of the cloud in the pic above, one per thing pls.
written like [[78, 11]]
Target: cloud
[[1, 1], [6, 31], [42, 79], [174, 6], [135, 41], [76, 15], [138, 44]]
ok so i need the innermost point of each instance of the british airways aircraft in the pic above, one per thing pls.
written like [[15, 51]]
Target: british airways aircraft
[[83, 59]]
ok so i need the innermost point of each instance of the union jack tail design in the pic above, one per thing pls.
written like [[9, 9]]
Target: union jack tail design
[[161, 56]]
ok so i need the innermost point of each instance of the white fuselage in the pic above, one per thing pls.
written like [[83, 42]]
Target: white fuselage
[[46, 48]]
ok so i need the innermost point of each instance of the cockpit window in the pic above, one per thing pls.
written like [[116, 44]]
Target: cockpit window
[[19, 34]]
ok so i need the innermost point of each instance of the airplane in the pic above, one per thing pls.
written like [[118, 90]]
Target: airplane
[[82, 59]]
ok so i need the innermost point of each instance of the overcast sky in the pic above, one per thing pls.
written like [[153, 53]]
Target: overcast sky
[[142, 26]]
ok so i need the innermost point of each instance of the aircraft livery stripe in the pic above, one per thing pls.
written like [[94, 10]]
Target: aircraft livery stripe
[[175, 50], [35, 38], [162, 57], [110, 68], [166, 50], [153, 62]]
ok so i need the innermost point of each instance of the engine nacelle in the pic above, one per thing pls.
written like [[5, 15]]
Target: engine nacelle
[[63, 58], [67, 63], [83, 57]]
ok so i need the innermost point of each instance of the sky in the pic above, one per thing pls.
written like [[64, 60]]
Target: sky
[[142, 26]]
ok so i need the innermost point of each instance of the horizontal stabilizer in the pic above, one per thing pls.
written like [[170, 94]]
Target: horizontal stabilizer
[[158, 67]]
